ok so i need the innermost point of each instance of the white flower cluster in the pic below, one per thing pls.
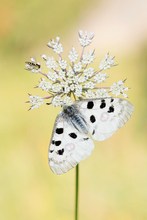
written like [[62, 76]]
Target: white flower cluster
[[118, 88], [88, 58], [66, 81], [85, 38], [35, 101], [107, 62], [50, 62], [45, 85], [73, 55], [56, 45]]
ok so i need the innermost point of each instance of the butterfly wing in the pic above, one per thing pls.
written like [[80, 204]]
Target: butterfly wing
[[68, 146], [105, 115]]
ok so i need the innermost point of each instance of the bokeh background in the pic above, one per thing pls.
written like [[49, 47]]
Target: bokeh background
[[113, 181]]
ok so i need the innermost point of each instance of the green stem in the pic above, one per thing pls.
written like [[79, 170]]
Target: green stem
[[76, 184], [77, 192]]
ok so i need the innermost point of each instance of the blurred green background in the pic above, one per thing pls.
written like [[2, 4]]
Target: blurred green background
[[113, 181]]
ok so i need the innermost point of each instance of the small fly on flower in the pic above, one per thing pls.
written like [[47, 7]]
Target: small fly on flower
[[89, 110], [32, 65]]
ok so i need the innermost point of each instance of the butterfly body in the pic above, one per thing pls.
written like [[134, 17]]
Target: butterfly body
[[75, 118], [78, 124]]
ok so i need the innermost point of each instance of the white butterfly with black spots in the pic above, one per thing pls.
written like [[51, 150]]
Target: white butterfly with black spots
[[78, 124]]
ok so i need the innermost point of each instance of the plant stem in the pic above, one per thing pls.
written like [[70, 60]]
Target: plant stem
[[77, 192], [76, 184]]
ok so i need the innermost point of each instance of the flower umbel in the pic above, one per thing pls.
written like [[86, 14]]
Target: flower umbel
[[65, 80]]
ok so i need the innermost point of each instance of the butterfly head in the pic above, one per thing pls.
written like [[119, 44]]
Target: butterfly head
[[69, 110]]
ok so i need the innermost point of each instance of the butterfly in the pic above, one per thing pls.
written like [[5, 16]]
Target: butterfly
[[79, 124]]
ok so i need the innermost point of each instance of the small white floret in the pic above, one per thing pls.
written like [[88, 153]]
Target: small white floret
[[100, 77], [56, 45], [44, 85], [67, 101], [35, 101], [85, 38], [107, 62], [101, 93], [89, 94], [56, 88], [73, 55], [57, 101], [88, 72], [88, 57], [62, 64], [118, 88], [78, 67], [78, 90], [89, 85], [52, 76]]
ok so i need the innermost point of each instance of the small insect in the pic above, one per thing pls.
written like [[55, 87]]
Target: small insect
[[32, 65], [78, 124]]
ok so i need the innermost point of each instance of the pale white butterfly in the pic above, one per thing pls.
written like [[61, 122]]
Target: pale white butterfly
[[78, 124]]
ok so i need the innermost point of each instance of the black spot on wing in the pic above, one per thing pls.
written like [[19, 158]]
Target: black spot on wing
[[51, 151], [90, 105], [92, 118], [85, 139], [59, 130], [73, 135], [93, 132], [60, 152], [111, 109], [112, 100], [57, 143], [53, 142], [103, 103]]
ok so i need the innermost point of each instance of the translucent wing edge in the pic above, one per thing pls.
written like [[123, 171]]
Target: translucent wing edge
[[74, 159]]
